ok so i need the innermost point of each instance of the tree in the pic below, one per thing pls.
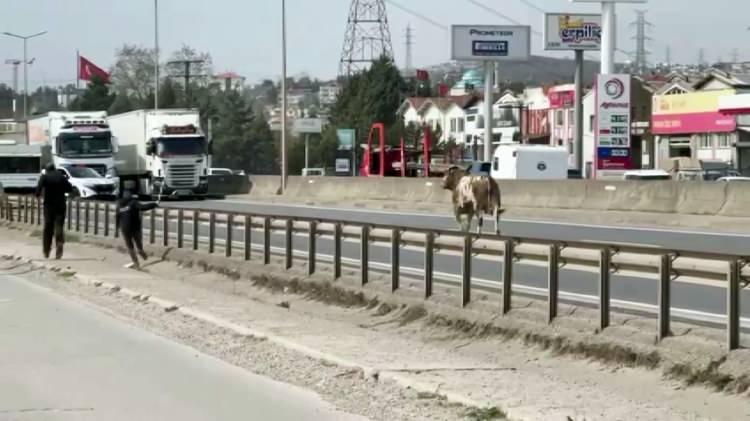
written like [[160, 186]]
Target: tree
[[168, 94], [121, 104], [96, 97], [133, 74], [44, 99], [242, 139]]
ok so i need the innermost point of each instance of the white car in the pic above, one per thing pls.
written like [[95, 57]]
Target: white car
[[732, 179], [89, 184]]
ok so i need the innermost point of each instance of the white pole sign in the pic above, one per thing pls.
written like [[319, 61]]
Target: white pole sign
[[564, 31], [491, 43], [613, 105]]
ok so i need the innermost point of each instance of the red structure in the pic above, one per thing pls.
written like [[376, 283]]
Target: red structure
[[383, 160]]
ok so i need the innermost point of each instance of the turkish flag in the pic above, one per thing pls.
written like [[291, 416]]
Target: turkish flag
[[87, 70]]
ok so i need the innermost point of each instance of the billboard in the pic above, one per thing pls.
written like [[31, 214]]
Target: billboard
[[694, 112], [308, 126], [613, 121], [564, 32], [490, 43]]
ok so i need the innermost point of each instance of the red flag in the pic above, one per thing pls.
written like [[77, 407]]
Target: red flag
[[87, 70], [423, 75]]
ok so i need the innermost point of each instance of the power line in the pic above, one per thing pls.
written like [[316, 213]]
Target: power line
[[418, 15]]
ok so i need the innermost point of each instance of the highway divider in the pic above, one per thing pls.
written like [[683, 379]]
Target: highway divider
[[688, 198], [198, 227]]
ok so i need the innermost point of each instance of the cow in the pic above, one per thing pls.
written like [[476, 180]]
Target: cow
[[473, 195]]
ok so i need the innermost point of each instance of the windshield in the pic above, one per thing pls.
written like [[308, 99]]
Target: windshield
[[19, 165], [85, 144], [82, 172], [181, 146]]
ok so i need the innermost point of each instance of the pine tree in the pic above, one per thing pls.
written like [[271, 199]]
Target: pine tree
[[96, 97]]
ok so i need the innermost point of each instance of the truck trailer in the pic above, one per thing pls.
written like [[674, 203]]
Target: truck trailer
[[162, 153], [529, 162], [20, 166], [76, 139]]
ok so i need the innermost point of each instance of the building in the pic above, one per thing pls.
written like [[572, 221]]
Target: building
[[739, 106], [535, 128], [506, 115], [446, 116], [472, 81], [690, 125], [328, 94], [230, 81]]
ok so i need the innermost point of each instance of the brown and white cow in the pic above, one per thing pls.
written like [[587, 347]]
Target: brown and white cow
[[473, 195]]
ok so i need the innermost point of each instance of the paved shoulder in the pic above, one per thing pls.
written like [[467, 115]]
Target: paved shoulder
[[64, 360]]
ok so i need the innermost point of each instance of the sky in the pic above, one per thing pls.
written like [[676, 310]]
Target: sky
[[244, 36]]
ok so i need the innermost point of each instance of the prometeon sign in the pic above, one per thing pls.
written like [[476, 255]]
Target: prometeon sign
[[490, 43]]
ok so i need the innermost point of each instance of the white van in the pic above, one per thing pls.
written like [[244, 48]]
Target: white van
[[529, 162]]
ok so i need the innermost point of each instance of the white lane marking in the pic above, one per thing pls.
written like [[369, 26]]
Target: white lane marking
[[514, 220]]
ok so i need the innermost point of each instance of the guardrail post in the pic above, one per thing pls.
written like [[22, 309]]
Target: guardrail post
[[2, 208], [152, 227], [733, 304], [107, 216], [196, 229], [165, 227], [364, 256], [78, 215], [466, 272], [26, 209], [20, 209], [230, 235], [96, 218], [665, 300], [117, 221], [248, 248], [337, 251], [180, 228], [32, 205], [395, 259], [211, 232], [267, 241], [86, 216], [553, 282], [39, 211], [508, 255], [70, 215], [288, 244], [429, 263], [312, 238], [605, 271]]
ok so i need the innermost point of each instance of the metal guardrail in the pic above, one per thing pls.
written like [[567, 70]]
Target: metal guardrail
[[606, 259]]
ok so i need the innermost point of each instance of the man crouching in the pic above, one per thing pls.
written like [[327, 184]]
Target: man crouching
[[129, 211]]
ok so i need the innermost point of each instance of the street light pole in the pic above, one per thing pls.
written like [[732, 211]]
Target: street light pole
[[25, 39], [156, 54], [284, 168]]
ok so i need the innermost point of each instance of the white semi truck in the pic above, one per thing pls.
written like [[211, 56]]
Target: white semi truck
[[20, 166], [164, 152], [76, 139]]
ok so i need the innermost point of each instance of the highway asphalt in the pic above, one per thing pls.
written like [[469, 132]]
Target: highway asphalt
[[64, 360], [686, 240]]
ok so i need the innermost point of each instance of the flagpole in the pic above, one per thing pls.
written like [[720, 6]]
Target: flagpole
[[78, 71]]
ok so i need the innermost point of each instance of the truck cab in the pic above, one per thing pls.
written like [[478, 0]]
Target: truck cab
[[178, 160]]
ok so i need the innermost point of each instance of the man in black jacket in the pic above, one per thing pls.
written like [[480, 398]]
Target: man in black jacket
[[129, 211], [53, 185]]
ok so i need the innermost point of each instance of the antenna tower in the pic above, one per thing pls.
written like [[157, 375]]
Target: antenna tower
[[641, 38]]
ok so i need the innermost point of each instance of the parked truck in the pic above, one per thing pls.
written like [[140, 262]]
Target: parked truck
[[76, 139], [163, 153]]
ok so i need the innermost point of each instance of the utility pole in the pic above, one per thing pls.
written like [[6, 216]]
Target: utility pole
[[735, 56], [25, 39], [186, 75], [668, 56], [409, 45], [156, 54], [701, 58], [367, 38]]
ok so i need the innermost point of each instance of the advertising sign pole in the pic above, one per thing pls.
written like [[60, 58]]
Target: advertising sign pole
[[488, 123], [579, 111]]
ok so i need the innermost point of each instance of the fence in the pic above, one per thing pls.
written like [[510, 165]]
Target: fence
[[605, 259]]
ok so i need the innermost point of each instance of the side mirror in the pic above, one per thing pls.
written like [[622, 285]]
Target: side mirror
[[115, 144], [150, 147]]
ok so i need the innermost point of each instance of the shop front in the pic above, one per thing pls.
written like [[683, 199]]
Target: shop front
[[691, 128], [738, 106]]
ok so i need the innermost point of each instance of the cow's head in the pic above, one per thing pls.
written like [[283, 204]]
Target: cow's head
[[452, 176]]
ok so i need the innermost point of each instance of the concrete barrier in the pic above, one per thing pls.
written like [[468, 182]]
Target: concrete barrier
[[737, 202], [648, 197]]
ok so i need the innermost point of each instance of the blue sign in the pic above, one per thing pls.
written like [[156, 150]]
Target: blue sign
[[346, 139], [490, 48], [613, 153]]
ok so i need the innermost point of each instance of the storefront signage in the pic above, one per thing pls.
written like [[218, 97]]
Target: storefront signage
[[695, 112]]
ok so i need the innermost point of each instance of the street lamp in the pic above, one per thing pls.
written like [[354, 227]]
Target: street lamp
[[156, 53], [284, 168], [25, 38]]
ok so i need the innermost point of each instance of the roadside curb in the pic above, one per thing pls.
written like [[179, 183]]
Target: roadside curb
[[368, 373]]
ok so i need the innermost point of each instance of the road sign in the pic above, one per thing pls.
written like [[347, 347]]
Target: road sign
[[346, 138], [491, 43], [308, 126], [563, 31]]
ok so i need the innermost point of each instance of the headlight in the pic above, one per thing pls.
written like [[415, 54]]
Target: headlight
[[112, 172]]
